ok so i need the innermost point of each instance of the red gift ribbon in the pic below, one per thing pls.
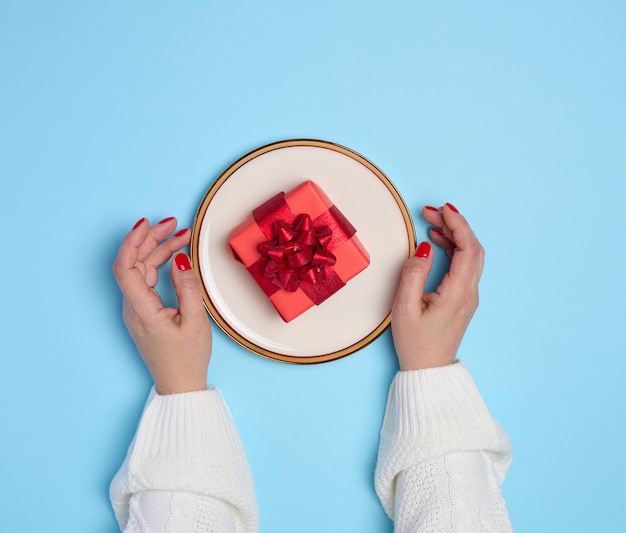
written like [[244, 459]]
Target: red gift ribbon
[[298, 253]]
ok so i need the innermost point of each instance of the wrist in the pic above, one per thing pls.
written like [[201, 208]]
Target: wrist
[[171, 386], [426, 353], [421, 359], [166, 391], [425, 365], [176, 377], [425, 360]]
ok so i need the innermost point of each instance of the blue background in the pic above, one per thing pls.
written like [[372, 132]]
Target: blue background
[[514, 112]]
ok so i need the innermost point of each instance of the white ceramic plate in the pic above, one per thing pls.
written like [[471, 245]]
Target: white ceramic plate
[[352, 317]]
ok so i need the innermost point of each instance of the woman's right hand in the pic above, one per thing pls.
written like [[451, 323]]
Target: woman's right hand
[[428, 327]]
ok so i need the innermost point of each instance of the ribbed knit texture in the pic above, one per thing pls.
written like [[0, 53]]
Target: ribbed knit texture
[[186, 469], [442, 459], [442, 456]]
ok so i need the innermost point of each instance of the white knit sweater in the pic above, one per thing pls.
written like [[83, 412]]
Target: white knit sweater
[[442, 457], [186, 470], [441, 461]]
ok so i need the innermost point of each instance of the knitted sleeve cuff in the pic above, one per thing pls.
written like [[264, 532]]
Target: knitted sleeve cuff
[[187, 443], [436, 409], [186, 426], [431, 413]]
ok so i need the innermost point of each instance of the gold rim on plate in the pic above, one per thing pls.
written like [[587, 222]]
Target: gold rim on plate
[[195, 238]]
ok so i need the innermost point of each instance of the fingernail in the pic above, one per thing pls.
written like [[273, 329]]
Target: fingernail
[[166, 220], [431, 208], [182, 262], [181, 232], [452, 207], [139, 222], [438, 231], [423, 250]]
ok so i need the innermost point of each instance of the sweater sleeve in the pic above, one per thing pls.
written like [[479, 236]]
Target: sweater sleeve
[[186, 469], [442, 457]]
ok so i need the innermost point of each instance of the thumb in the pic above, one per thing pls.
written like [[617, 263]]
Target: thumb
[[188, 289], [414, 276]]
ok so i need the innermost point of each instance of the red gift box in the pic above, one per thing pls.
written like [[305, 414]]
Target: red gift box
[[299, 248]]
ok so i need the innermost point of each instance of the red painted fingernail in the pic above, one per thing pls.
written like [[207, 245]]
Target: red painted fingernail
[[182, 262], [139, 222], [166, 220], [431, 208], [452, 207], [438, 231], [181, 232], [423, 250]]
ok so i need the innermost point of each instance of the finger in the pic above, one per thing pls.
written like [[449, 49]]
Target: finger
[[458, 230], [440, 239], [126, 260], [130, 279], [188, 290], [467, 259], [164, 250], [433, 215], [162, 253], [129, 249], [414, 275], [157, 233]]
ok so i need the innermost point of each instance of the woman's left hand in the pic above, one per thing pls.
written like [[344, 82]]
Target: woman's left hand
[[175, 343]]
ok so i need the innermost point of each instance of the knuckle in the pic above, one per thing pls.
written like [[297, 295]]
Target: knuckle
[[116, 269], [468, 303], [190, 283], [200, 326], [475, 248], [413, 268]]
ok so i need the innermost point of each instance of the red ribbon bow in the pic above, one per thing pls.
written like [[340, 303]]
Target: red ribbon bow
[[297, 253]]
